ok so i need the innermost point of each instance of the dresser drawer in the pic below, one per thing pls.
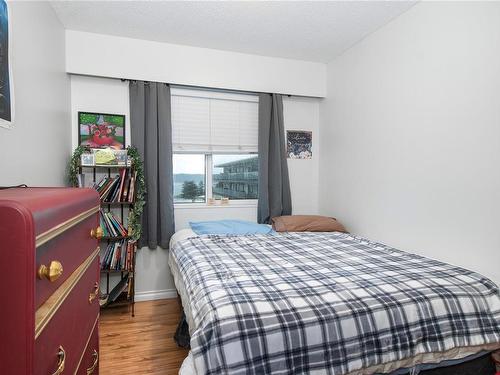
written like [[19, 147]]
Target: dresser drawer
[[70, 248], [89, 363], [68, 328]]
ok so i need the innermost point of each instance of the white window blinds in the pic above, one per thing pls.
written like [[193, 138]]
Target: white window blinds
[[212, 121]]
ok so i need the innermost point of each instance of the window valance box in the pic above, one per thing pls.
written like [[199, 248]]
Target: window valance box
[[213, 121]]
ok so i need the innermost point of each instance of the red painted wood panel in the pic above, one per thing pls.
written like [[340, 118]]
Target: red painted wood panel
[[88, 358], [52, 206], [24, 214], [70, 327], [70, 248], [17, 313]]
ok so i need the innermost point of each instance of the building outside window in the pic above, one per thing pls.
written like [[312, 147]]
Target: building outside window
[[238, 179]]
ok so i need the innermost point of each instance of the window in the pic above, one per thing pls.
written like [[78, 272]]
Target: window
[[233, 176], [214, 137]]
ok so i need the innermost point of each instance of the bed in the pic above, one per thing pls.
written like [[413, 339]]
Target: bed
[[327, 303]]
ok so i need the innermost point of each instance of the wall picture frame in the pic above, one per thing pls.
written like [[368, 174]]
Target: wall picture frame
[[101, 130], [299, 144], [6, 87]]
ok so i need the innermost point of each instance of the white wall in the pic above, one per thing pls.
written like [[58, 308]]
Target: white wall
[[118, 57], [153, 278], [410, 135], [36, 150], [303, 114]]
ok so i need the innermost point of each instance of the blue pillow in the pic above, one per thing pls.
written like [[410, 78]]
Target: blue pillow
[[224, 227]]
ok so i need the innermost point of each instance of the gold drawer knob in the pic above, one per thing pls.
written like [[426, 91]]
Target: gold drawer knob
[[62, 359], [97, 233], [52, 272]]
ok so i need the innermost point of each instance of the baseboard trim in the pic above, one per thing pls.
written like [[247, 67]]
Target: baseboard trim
[[155, 294]]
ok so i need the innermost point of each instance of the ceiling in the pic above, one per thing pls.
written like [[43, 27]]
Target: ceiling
[[303, 30]]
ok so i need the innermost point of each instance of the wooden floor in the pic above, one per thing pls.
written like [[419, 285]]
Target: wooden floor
[[143, 344]]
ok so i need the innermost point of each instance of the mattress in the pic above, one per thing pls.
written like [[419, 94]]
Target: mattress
[[327, 303]]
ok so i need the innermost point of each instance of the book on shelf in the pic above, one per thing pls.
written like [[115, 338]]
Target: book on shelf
[[129, 255], [123, 173], [126, 187], [118, 256], [111, 225], [122, 286], [132, 187], [118, 188]]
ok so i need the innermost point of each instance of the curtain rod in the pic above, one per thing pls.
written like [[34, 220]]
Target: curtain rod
[[207, 88], [196, 87]]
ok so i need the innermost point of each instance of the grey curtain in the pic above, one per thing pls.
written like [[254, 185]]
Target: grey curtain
[[151, 131], [274, 184]]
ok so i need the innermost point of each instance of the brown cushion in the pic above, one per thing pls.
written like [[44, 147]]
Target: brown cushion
[[306, 223]]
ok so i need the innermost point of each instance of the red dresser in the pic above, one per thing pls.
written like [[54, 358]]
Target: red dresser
[[49, 281]]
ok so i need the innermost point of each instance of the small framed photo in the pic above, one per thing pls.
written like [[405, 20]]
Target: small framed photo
[[101, 130], [299, 144], [87, 159], [121, 157]]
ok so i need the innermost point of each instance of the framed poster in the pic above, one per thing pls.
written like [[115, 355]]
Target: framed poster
[[101, 130], [6, 95], [299, 144]]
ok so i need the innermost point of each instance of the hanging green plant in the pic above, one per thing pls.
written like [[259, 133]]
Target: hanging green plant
[[135, 213], [74, 165], [134, 220]]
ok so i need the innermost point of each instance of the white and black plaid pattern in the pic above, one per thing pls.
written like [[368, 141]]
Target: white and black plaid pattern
[[326, 303]]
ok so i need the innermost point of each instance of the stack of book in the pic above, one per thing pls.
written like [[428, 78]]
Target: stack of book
[[120, 188], [116, 292], [111, 226], [118, 256]]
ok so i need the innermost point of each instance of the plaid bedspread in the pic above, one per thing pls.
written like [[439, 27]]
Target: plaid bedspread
[[325, 303]]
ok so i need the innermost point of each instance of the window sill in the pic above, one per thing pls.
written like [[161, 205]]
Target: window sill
[[190, 206]]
